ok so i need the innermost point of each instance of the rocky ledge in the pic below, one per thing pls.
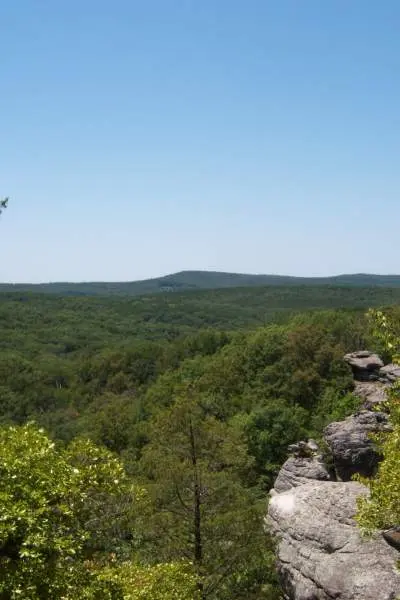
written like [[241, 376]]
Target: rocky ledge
[[351, 446], [305, 465], [321, 554]]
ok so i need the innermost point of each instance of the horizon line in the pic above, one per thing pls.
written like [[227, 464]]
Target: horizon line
[[198, 271]]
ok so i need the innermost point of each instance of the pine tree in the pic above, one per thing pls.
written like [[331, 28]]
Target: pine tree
[[201, 510]]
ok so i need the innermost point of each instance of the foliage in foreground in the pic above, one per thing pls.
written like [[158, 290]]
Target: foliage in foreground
[[382, 509], [52, 513], [164, 581], [68, 526]]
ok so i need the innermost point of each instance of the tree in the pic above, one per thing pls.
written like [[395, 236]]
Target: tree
[[268, 430], [201, 510], [66, 526], [55, 529]]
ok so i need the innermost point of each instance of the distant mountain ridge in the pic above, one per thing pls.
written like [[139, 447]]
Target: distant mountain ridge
[[200, 280]]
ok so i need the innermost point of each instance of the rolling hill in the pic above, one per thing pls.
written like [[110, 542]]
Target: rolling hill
[[200, 280]]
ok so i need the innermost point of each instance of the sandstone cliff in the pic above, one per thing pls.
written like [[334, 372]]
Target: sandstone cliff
[[321, 554]]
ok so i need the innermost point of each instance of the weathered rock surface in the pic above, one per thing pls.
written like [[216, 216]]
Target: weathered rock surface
[[349, 441], [372, 392], [303, 448], [392, 536], [365, 365], [321, 555], [299, 470], [390, 372], [305, 464]]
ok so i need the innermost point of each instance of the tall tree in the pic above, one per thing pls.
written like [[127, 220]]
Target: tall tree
[[201, 510]]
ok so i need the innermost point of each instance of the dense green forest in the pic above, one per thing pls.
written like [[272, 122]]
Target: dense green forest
[[87, 321], [159, 424], [67, 352], [198, 280]]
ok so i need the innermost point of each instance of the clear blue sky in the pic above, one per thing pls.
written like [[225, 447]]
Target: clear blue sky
[[141, 137]]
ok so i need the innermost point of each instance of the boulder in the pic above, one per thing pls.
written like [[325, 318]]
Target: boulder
[[303, 448], [351, 446], [392, 536], [298, 470], [371, 392], [321, 555], [390, 373], [365, 365]]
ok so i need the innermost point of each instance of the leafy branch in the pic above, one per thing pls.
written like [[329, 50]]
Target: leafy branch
[[3, 204]]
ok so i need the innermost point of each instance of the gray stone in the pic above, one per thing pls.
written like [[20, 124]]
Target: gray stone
[[299, 449], [371, 392], [351, 446], [304, 449], [299, 470], [321, 555], [392, 537], [312, 444], [365, 365], [390, 372]]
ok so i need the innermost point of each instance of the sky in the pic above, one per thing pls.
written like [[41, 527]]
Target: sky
[[144, 137]]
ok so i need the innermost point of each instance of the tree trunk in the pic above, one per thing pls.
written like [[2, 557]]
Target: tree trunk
[[198, 547]]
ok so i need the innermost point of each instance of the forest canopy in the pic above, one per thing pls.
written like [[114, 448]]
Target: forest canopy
[[140, 436]]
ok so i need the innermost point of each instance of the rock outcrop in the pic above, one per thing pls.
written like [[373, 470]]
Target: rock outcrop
[[392, 536], [390, 373], [365, 365], [306, 465], [371, 392], [297, 471], [351, 446], [321, 554]]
